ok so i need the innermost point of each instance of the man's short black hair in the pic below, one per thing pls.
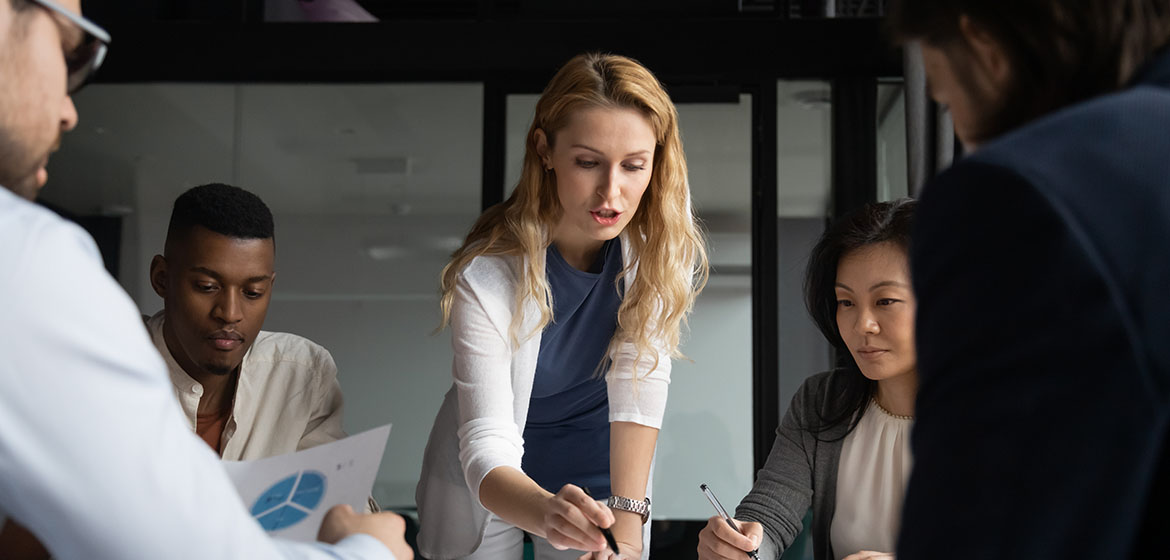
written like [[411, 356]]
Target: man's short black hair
[[223, 209]]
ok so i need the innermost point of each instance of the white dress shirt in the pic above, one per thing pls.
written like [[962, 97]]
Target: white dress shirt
[[95, 456], [480, 424], [287, 398], [871, 481]]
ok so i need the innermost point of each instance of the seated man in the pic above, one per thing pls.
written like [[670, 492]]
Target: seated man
[[248, 393]]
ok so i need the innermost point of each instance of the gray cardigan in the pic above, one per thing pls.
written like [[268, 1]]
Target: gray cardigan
[[800, 470]]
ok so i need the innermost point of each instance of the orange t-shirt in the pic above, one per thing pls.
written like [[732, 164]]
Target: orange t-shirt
[[210, 427]]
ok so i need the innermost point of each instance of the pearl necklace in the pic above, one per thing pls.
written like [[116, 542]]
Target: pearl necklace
[[888, 413]]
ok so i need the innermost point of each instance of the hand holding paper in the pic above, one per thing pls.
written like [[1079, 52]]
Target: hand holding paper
[[342, 521], [289, 494]]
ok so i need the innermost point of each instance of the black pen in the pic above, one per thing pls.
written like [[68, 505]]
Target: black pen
[[606, 532], [755, 554]]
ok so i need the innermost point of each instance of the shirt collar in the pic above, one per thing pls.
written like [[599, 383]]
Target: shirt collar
[[183, 383]]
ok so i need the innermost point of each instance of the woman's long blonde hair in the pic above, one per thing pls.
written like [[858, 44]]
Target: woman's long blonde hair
[[663, 235]]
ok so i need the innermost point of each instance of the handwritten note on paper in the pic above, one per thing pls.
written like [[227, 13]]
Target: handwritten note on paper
[[289, 494]]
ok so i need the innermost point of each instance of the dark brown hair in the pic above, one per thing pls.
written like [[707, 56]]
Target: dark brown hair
[[1060, 51]]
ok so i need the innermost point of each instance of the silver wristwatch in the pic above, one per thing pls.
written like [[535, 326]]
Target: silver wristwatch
[[634, 506]]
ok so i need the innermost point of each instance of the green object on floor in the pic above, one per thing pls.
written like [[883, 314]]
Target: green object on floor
[[801, 549]]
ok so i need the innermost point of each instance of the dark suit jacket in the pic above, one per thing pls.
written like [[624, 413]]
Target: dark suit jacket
[[1042, 270]]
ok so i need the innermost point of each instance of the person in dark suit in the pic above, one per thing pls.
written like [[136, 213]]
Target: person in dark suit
[[1041, 262]]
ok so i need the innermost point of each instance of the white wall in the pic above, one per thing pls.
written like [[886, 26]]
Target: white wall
[[707, 433]]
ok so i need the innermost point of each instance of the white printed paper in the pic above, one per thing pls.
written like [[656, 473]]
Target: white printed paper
[[289, 494]]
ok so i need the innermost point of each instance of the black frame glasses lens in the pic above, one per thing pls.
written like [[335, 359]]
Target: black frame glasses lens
[[84, 61]]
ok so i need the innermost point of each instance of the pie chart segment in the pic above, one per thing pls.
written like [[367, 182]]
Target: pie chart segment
[[285, 516], [274, 496], [310, 491], [289, 501]]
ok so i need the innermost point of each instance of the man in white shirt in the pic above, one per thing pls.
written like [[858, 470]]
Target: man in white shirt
[[95, 457], [247, 393]]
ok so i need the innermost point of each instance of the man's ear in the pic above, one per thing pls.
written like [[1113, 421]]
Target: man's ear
[[988, 54], [158, 275]]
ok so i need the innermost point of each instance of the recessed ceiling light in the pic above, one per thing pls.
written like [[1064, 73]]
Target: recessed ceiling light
[[382, 165], [386, 252], [813, 98], [116, 209]]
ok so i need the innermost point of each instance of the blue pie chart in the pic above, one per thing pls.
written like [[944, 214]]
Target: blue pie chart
[[289, 501]]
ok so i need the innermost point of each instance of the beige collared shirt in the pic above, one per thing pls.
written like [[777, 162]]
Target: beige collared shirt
[[287, 398]]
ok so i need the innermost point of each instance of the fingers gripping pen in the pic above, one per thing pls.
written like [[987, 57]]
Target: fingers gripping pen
[[755, 554]]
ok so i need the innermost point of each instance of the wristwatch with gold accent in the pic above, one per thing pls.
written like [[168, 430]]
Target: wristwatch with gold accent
[[633, 506]]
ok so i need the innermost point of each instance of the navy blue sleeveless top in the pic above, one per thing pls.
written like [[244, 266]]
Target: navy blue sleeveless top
[[566, 436]]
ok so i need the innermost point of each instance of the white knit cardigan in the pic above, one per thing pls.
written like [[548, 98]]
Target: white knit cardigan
[[480, 422]]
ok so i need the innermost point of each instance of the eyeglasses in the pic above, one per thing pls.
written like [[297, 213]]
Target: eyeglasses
[[84, 59]]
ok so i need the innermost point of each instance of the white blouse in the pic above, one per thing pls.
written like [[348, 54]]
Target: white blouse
[[480, 424], [871, 481]]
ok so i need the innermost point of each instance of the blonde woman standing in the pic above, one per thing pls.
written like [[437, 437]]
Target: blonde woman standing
[[565, 304]]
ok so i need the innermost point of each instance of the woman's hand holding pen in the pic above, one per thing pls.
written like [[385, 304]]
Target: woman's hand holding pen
[[718, 541], [627, 524], [630, 551], [571, 520]]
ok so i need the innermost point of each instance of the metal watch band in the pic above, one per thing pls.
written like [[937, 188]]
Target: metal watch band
[[633, 506]]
